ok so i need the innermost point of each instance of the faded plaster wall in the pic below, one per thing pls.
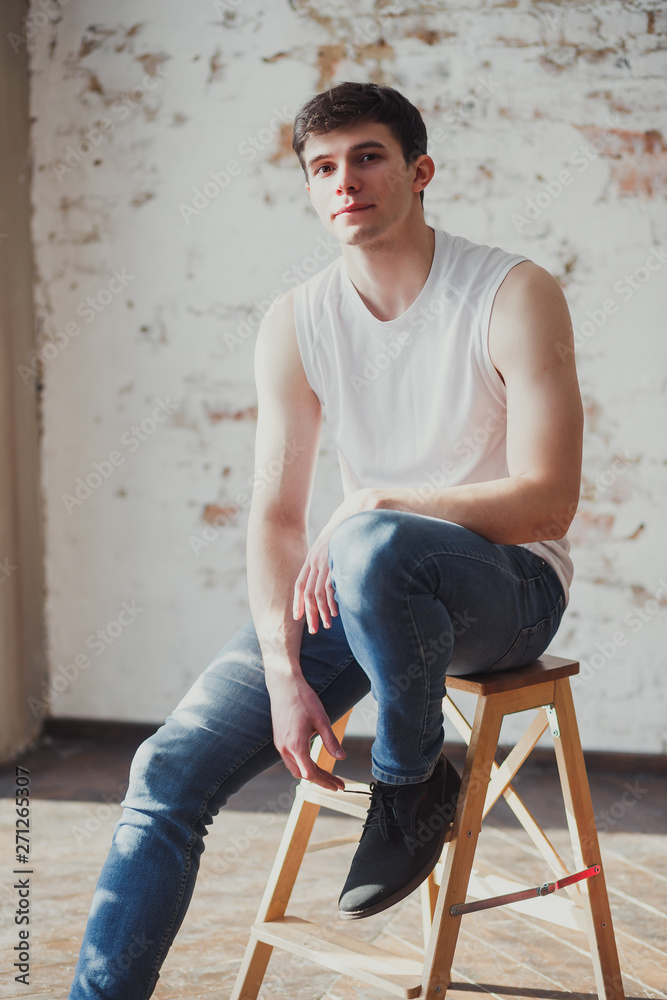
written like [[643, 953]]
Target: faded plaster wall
[[23, 666], [148, 309]]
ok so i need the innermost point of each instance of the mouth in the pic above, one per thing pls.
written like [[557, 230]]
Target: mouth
[[353, 210]]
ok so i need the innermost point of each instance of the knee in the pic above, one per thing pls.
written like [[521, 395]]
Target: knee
[[365, 546], [154, 771]]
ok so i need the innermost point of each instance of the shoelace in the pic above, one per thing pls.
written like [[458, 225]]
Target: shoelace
[[381, 809]]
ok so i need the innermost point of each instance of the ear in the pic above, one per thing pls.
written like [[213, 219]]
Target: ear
[[424, 171]]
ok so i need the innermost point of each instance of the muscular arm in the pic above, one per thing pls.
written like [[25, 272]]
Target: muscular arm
[[288, 430], [530, 325]]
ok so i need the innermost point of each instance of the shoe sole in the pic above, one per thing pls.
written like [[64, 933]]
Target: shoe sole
[[405, 891]]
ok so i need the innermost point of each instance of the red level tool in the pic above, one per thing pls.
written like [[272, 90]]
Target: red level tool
[[516, 897]]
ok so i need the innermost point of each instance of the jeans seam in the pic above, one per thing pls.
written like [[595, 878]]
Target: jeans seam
[[181, 888], [159, 957], [332, 676], [425, 679], [549, 617], [476, 558], [160, 952], [514, 575]]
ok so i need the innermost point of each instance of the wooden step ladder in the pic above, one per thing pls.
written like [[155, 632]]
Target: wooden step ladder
[[543, 685]]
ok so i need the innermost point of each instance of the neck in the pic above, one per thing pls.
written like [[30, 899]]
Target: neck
[[389, 272]]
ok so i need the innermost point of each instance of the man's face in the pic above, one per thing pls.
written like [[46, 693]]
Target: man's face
[[363, 166]]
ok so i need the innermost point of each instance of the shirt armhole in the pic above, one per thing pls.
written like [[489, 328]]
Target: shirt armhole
[[496, 384], [301, 323]]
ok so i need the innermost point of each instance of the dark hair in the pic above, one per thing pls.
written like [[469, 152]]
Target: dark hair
[[350, 103]]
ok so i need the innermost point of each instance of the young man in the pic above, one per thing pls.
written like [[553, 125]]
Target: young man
[[458, 427]]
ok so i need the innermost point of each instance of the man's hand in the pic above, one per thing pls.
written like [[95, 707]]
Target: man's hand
[[297, 714], [313, 589]]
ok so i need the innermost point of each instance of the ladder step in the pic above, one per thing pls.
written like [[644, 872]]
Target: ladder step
[[323, 845], [352, 802], [397, 975]]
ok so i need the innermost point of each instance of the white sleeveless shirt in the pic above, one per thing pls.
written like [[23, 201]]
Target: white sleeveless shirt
[[415, 401]]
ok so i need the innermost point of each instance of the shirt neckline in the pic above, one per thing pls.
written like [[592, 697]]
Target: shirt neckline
[[419, 302]]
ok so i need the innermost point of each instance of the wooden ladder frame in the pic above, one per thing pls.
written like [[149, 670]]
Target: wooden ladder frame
[[543, 685]]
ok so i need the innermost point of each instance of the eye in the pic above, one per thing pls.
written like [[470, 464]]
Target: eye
[[322, 166]]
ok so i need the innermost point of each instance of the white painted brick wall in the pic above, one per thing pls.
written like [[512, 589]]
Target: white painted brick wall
[[512, 96]]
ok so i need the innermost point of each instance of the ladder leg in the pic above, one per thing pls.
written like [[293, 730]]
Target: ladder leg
[[429, 896], [583, 834], [437, 972], [253, 969], [283, 875]]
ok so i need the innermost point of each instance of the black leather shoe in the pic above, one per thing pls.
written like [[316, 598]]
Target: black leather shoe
[[402, 839]]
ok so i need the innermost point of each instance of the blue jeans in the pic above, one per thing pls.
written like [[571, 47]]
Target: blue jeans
[[418, 597]]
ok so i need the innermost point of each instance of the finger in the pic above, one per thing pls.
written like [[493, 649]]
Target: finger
[[322, 598], [310, 771], [331, 744], [328, 780], [307, 766], [299, 584], [310, 603], [318, 776], [331, 594], [324, 594], [291, 766]]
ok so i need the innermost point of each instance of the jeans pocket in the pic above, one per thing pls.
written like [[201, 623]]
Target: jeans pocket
[[531, 642]]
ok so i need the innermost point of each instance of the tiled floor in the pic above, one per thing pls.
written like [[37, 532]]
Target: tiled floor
[[77, 785]]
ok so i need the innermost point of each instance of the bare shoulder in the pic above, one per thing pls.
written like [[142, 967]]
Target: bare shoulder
[[530, 320], [278, 320], [276, 338], [278, 362], [527, 287]]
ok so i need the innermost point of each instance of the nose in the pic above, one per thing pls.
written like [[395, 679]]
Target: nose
[[346, 180]]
